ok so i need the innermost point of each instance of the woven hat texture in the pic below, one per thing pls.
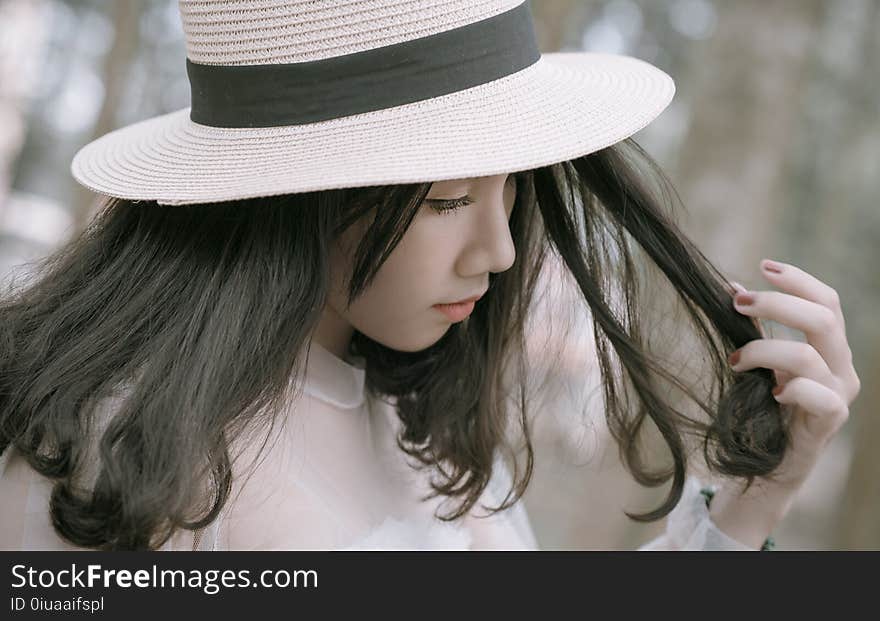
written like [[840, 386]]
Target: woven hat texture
[[563, 106]]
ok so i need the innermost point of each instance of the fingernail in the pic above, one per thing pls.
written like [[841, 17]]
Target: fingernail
[[776, 390], [744, 299], [772, 266], [733, 358]]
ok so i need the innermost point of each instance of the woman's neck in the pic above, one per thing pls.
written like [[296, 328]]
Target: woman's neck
[[333, 332]]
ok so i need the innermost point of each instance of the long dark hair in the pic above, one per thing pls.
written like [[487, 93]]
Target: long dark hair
[[201, 312]]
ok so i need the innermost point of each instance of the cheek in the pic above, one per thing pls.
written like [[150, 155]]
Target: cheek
[[418, 270], [407, 283], [396, 309]]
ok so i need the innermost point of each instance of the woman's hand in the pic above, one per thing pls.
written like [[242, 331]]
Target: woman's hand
[[816, 383], [815, 380]]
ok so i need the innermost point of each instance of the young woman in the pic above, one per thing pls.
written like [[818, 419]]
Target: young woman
[[257, 343]]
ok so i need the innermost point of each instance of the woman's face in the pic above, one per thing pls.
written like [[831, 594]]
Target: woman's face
[[442, 258]]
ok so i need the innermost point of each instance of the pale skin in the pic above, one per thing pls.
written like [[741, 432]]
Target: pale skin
[[447, 257]]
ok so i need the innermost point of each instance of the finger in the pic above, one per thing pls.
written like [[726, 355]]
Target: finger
[[794, 280], [737, 287], [826, 410], [816, 321], [791, 357]]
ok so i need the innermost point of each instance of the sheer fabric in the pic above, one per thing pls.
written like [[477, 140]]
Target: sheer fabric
[[333, 478]]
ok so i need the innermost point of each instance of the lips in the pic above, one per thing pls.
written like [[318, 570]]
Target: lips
[[473, 298], [456, 312]]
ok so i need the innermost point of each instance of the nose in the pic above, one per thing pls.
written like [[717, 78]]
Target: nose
[[490, 247]]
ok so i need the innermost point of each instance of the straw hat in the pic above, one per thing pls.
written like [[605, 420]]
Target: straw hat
[[301, 95]]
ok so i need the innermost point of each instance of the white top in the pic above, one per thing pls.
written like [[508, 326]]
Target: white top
[[334, 479]]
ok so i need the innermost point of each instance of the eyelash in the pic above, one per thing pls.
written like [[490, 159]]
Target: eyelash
[[445, 208]]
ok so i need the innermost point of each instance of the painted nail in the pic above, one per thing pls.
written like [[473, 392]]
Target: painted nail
[[772, 266], [744, 299], [733, 358]]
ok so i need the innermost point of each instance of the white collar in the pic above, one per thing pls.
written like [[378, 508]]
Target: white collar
[[334, 380]]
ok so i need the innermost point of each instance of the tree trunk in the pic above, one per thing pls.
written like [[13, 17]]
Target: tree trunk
[[746, 93], [859, 513], [126, 17]]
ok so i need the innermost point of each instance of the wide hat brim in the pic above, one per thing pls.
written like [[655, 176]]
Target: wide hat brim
[[565, 105]]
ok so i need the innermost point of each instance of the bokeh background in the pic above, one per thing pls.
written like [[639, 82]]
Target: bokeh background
[[772, 142]]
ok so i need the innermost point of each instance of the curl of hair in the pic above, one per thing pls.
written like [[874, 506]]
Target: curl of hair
[[198, 316]]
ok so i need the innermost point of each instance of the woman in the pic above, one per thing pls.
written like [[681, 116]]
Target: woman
[[253, 346]]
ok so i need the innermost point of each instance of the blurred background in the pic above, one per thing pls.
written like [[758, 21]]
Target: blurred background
[[772, 142]]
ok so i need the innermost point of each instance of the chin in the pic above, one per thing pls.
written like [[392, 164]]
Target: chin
[[416, 347], [415, 344]]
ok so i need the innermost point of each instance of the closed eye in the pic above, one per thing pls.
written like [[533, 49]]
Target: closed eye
[[447, 206]]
